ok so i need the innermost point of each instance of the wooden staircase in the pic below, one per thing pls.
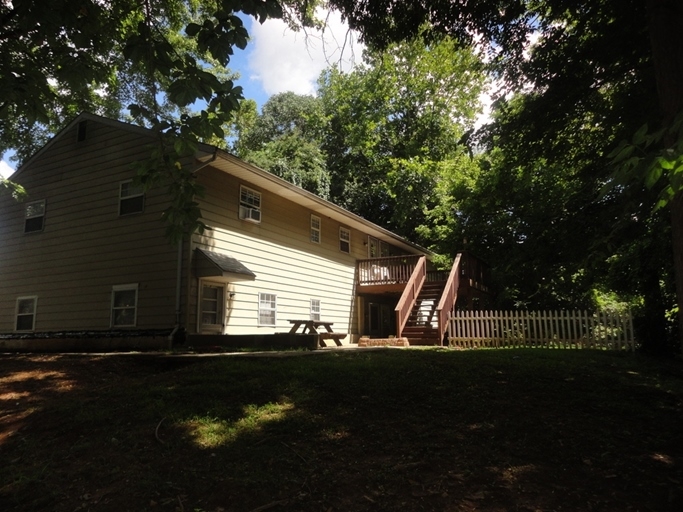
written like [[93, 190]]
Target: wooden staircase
[[422, 325]]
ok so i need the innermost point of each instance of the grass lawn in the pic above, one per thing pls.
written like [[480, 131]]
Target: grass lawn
[[393, 430]]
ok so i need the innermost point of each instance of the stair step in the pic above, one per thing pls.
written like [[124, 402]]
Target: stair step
[[423, 341], [417, 331]]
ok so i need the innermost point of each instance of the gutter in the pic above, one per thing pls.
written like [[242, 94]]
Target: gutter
[[179, 267]]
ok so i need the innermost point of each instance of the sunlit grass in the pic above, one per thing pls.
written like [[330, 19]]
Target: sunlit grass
[[212, 432]]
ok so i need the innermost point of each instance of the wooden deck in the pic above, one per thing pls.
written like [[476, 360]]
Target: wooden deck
[[409, 278], [385, 275], [391, 274]]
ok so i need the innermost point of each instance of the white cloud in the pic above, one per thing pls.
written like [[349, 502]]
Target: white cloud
[[5, 169], [284, 60]]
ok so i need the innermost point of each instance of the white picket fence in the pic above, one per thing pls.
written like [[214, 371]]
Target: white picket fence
[[543, 329]]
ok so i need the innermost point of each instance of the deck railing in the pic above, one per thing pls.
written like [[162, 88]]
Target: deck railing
[[449, 296], [541, 329], [474, 272], [388, 270], [410, 293]]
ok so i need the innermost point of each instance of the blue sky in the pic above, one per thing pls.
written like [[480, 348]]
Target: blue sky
[[279, 60]]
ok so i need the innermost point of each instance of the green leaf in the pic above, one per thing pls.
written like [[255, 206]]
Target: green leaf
[[639, 136], [665, 163], [192, 29], [652, 176], [623, 151]]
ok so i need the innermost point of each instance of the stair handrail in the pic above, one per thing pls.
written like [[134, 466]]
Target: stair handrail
[[409, 295], [448, 297]]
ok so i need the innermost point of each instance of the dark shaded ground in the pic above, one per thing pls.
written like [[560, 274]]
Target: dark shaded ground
[[526, 430]]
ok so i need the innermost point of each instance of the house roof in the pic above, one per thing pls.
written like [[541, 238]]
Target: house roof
[[231, 164], [215, 264], [84, 116]]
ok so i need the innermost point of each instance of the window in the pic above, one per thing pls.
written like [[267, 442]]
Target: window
[[384, 250], [80, 136], [212, 305], [35, 216], [250, 205], [315, 229], [315, 309], [26, 313], [124, 302], [267, 307], [344, 239], [131, 198]]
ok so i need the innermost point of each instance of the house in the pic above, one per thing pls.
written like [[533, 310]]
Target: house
[[85, 257]]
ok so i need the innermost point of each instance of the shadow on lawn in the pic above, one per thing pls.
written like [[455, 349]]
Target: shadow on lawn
[[394, 430]]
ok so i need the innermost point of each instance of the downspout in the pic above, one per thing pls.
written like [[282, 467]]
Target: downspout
[[179, 267]]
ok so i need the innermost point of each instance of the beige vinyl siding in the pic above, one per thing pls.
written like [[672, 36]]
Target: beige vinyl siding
[[85, 247], [280, 253]]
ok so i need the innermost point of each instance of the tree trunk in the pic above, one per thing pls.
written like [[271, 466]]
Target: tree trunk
[[666, 37]]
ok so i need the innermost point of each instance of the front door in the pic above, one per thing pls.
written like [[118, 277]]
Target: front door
[[212, 308]]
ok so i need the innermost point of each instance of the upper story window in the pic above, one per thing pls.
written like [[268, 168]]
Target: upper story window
[[34, 216], [81, 132], [315, 310], [344, 239], [26, 313], [250, 204], [131, 198], [315, 229], [124, 305]]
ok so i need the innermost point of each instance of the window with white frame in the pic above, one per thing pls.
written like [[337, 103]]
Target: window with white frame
[[26, 313], [315, 229], [131, 198], [315, 309], [250, 204], [267, 309], [124, 305], [344, 239], [34, 216], [212, 304]]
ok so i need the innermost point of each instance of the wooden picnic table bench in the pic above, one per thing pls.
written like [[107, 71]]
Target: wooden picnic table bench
[[312, 326]]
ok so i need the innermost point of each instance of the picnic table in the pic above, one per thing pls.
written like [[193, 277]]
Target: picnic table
[[312, 327]]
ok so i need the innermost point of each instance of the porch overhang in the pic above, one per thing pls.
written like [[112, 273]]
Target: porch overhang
[[220, 267]]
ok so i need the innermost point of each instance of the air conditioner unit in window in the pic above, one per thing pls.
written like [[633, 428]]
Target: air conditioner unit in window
[[250, 214]]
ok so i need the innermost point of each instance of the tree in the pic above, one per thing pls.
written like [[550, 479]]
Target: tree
[[613, 45], [393, 123], [285, 140], [155, 58]]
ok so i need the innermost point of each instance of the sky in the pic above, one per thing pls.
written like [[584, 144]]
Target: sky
[[279, 60]]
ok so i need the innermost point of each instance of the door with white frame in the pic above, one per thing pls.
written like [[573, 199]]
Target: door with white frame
[[212, 308], [373, 247]]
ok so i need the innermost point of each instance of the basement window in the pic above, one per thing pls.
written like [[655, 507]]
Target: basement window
[[267, 309], [124, 305], [26, 313], [315, 310]]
